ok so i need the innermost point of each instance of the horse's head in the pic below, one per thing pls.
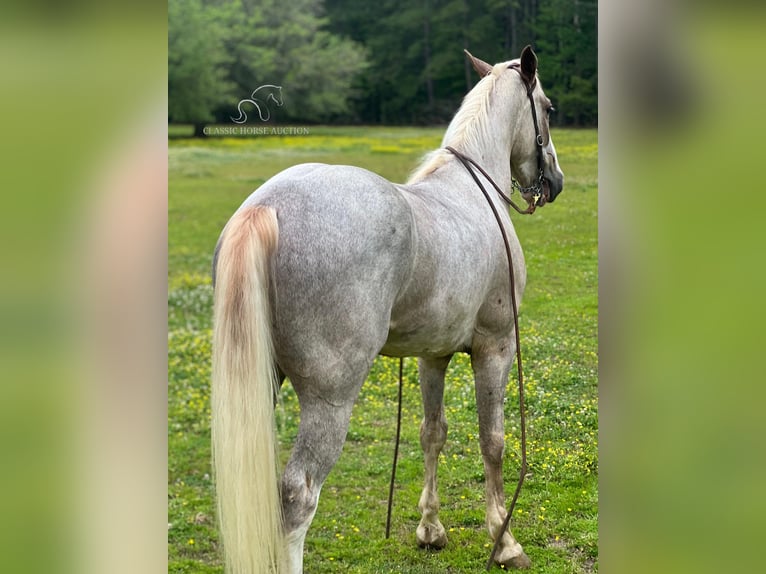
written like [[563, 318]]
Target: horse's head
[[533, 156], [268, 92], [276, 95]]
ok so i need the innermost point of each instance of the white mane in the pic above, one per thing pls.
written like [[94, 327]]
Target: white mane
[[467, 129]]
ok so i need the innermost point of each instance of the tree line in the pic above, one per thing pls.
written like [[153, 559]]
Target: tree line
[[382, 62]]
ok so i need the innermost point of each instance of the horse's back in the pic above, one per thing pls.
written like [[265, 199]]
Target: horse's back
[[344, 252]]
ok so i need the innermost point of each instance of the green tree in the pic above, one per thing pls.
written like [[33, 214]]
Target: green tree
[[418, 74], [568, 52], [285, 42], [388, 61], [197, 63]]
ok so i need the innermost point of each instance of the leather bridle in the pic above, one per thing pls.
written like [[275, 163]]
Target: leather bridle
[[536, 189]]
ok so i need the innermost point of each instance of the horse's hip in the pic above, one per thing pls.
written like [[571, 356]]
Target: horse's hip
[[344, 250]]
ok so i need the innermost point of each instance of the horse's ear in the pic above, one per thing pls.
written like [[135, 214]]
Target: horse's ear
[[528, 63], [481, 67]]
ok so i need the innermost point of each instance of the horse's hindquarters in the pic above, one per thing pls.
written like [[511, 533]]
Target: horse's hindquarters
[[344, 252]]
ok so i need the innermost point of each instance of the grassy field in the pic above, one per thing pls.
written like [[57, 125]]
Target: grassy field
[[557, 514]]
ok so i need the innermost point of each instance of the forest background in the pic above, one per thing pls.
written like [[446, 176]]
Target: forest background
[[388, 62]]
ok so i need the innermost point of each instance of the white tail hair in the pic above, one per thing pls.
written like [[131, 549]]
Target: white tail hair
[[245, 455]]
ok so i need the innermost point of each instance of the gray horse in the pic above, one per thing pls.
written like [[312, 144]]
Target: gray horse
[[323, 268]]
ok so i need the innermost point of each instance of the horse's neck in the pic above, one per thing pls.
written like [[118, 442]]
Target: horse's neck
[[492, 148]]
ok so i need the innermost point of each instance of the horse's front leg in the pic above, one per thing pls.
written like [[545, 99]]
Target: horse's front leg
[[433, 435], [491, 362]]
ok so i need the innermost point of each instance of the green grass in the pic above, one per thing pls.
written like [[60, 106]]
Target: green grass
[[557, 516]]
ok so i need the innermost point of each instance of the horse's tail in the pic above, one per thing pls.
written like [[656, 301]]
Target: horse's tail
[[245, 455], [242, 118]]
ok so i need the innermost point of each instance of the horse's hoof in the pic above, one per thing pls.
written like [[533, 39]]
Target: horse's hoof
[[431, 536], [519, 561]]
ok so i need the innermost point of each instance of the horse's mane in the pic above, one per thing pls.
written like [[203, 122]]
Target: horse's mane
[[467, 129]]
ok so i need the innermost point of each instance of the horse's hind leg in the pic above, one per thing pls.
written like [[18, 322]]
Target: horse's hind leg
[[433, 434], [491, 365], [326, 404]]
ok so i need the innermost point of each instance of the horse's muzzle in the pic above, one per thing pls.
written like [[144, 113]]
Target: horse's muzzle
[[551, 188]]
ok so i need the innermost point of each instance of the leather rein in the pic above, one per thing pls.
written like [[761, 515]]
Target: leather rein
[[536, 190], [467, 162]]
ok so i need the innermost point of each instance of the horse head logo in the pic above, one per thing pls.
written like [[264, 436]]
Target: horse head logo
[[260, 99]]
